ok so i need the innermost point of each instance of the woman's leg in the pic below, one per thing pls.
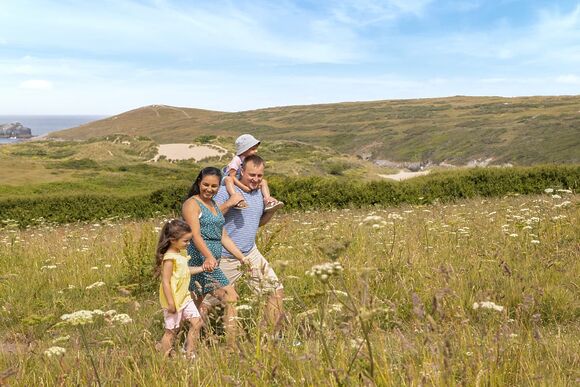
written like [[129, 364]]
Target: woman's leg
[[228, 296]]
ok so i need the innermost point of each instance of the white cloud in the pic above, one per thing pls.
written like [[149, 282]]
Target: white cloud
[[36, 84], [367, 12], [569, 79]]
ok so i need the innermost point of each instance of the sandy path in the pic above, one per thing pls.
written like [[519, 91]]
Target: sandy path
[[189, 151], [404, 175]]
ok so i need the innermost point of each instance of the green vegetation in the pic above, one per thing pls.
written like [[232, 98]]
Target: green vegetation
[[522, 131], [300, 193], [480, 292]]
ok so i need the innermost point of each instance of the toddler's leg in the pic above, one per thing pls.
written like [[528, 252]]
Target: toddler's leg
[[270, 202], [167, 341], [265, 191], [229, 183]]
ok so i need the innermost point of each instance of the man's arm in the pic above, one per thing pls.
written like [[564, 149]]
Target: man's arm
[[266, 216]]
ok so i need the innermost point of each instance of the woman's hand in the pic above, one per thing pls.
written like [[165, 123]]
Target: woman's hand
[[171, 308], [210, 264]]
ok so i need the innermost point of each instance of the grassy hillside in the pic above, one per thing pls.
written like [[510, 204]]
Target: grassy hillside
[[119, 164], [523, 131]]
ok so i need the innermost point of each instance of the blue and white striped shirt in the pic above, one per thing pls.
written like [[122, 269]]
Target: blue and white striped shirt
[[242, 225]]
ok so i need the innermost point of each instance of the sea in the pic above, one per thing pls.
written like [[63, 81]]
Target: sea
[[42, 125]]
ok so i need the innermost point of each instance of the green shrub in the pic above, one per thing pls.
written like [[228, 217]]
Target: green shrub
[[304, 193]]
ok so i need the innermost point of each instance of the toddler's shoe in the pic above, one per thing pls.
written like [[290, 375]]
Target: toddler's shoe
[[273, 205], [241, 205]]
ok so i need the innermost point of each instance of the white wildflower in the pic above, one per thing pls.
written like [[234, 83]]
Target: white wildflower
[[336, 307], [325, 270], [107, 266], [556, 197], [549, 190], [55, 351], [568, 191], [356, 343], [48, 267], [95, 285], [535, 241], [244, 307], [513, 235], [80, 317], [373, 218], [487, 305], [94, 268], [122, 318], [110, 313], [61, 339]]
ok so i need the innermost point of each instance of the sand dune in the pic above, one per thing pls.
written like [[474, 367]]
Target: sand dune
[[189, 151], [404, 175]]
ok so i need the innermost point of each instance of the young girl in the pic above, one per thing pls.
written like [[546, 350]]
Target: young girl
[[246, 145], [174, 294]]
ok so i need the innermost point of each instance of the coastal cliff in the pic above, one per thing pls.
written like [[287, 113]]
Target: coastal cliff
[[15, 129]]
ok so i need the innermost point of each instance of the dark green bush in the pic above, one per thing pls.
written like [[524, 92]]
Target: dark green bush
[[304, 193]]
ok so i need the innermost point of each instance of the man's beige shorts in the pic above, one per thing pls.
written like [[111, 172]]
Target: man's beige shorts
[[262, 280]]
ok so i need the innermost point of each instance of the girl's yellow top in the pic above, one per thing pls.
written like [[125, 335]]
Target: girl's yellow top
[[179, 282]]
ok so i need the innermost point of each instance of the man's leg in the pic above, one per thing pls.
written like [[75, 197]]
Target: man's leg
[[265, 281], [275, 310]]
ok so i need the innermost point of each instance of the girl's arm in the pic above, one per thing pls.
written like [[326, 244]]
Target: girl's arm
[[232, 174], [195, 269], [190, 212], [166, 272], [230, 246]]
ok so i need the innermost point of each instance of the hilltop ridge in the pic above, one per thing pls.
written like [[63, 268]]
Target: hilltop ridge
[[519, 130]]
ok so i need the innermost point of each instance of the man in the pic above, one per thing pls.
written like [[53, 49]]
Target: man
[[242, 227]]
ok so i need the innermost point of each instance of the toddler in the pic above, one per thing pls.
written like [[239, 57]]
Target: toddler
[[246, 145]]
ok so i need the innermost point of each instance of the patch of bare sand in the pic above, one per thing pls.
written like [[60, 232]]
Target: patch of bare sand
[[404, 175], [189, 152]]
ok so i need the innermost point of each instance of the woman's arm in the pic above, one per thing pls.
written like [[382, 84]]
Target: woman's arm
[[166, 272], [190, 212], [230, 246]]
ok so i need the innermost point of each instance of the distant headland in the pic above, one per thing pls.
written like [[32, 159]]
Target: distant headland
[[14, 130]]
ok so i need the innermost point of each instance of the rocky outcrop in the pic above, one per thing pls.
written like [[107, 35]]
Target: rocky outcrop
[[15, 129]]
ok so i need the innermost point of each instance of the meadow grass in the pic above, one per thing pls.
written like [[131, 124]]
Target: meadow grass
[[476, 292]]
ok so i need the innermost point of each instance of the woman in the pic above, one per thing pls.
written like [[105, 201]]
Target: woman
[[206, 221]]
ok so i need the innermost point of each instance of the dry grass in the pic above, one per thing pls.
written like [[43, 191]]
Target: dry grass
[[400, 313]]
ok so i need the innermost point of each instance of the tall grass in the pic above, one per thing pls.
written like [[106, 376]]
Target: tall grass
[[401, 311]]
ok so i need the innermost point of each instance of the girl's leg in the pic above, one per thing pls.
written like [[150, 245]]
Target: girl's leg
[[193, 335], [228, 296], [167, 341]]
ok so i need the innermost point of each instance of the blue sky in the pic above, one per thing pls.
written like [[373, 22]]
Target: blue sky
[[109, 56]]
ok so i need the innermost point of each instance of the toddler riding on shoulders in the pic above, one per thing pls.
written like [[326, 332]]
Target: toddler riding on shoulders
[[246, 145]]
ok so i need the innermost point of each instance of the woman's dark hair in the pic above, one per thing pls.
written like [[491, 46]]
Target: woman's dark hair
[[207, 171], [172, 230]]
